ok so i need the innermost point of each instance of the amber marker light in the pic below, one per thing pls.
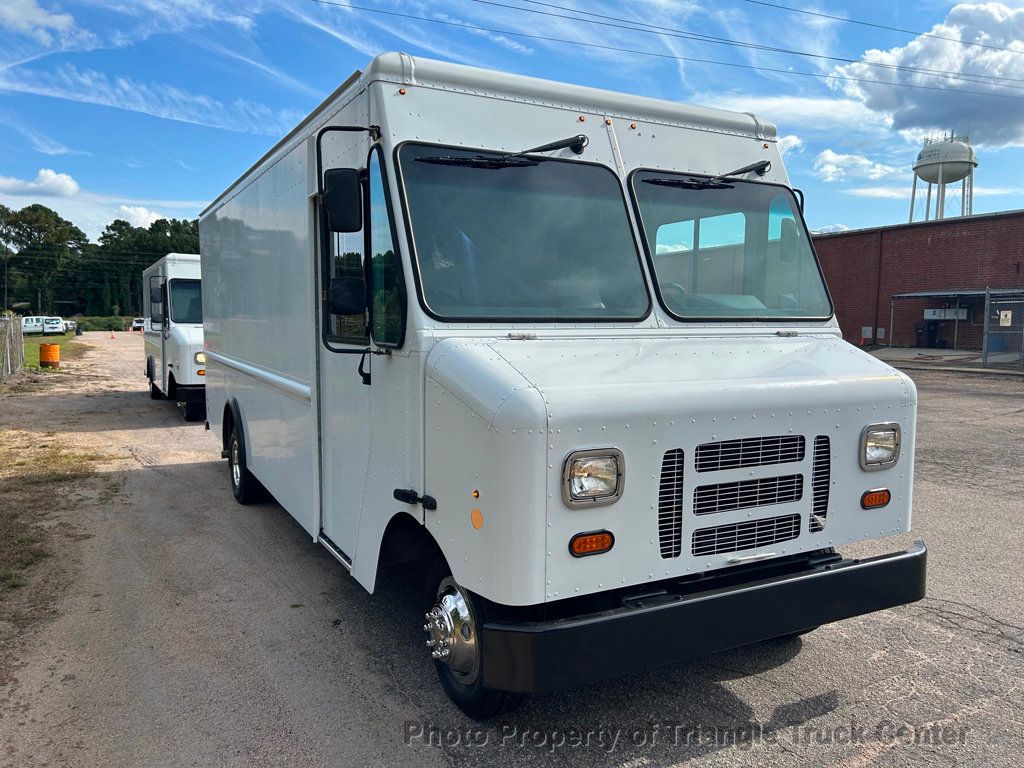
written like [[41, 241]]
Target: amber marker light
[[594, 543], [875, 499], [201, 372]]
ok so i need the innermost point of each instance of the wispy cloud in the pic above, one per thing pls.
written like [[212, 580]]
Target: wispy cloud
[[157, 99], [39, 142]]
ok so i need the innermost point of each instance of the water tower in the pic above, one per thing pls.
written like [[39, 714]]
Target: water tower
[[942, 162]]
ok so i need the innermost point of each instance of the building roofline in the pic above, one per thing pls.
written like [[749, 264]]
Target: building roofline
[[933, 222]]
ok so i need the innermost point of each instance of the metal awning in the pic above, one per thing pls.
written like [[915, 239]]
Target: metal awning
[[962, 294]]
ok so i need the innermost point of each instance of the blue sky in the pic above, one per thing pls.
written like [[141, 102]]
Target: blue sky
[[142, 108]]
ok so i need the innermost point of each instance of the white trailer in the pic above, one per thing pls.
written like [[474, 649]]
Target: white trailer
[[570, 353], [173, 332]]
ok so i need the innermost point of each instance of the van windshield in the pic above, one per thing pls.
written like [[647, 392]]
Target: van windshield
[[186, 301], [728, 249], [532, 239]]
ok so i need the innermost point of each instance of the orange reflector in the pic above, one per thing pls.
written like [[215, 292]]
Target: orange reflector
[[583, 544], [201, 372], [874, 499]]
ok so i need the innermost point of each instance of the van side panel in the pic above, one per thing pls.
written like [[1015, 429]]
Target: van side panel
[[259, 326]]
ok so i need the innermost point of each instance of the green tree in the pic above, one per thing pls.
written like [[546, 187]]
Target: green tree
[[45, 244]]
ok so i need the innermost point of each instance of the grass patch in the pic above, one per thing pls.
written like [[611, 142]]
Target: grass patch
[[69, 348], [34, 471]]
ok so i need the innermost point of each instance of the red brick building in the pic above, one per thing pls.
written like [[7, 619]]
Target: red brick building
[[958, 258]]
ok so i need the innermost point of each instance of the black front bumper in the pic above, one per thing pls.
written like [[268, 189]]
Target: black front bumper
[[545, 656]]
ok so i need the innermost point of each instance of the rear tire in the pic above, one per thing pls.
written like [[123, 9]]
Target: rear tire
[[244, 485], [468, 694]]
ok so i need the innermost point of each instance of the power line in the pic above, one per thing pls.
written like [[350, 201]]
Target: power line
[[654, 54], [652, 29], [875, 25]]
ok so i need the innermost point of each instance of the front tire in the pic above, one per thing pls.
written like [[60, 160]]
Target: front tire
[[244, 485], [454, 619]]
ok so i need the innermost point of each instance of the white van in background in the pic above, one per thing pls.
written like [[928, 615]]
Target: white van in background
[[173, 305], [32, 325], [53, 326]]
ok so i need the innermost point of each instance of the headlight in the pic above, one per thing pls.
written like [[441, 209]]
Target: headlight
[[879, 446], [594, 477], [200, 358]]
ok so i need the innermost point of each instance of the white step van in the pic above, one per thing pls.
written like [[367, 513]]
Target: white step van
[[173, 306], [567, 351]]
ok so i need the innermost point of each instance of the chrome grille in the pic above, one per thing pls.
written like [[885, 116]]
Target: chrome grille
[[759, 492], [670, 504], [820, 479], [749, 452], [749, 534]]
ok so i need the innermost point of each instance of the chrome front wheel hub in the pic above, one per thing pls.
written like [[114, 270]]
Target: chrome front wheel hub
[[452, 632], [236, 470]]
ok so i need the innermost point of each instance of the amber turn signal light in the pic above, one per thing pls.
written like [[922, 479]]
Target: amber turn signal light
[[875, 499], [201, 372], [583, 544]]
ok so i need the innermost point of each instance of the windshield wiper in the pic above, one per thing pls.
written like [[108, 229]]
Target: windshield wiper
[[715, 182], [510, 159]]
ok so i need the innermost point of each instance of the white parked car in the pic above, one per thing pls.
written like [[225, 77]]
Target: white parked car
[[53, 325], [32, 325], [70, 325], [139, 324]]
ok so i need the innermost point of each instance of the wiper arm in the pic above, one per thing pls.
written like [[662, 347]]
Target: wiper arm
[[576, 143], [510, 159], [715, 182]]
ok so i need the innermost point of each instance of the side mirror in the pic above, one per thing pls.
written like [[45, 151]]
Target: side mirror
[[343, 200], [347, 296], [155, 294]]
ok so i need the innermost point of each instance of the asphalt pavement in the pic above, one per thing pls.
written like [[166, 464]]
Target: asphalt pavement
[[194, 631]]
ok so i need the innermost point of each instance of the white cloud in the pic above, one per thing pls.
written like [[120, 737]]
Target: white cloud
[[26, 17], [671, 247], [830, 229], [809, 114], [139, 215], [156, 99], [833, 166], [46, 183], [790, 143], [989, 118]]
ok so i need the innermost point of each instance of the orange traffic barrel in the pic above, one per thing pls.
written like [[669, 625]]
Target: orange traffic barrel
[[49, 355]]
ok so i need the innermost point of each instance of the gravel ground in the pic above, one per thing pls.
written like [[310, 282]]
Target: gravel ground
[[192, 631]]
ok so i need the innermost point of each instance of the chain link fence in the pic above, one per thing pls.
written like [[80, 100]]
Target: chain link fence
[[1004, 330], [12, 346]]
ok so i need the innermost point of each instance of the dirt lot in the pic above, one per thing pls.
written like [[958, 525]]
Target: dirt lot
[[170, 626]]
